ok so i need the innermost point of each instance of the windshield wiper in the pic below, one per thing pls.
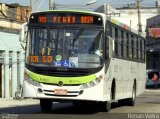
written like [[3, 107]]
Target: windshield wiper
[[77, 35], [50, 34]]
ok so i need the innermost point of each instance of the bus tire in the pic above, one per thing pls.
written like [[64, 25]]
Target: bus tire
[[105, 106], [46, 105], [131, 101], [77, 104], [108, 106]]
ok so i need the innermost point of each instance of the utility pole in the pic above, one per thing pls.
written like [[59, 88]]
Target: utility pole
[[51, 4], [139, 16], [31, 4]]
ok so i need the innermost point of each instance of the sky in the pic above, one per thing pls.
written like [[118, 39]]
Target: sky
[[43, 4]]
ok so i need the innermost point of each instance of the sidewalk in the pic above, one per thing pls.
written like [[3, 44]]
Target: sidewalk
[[153, 90], [10, 102]]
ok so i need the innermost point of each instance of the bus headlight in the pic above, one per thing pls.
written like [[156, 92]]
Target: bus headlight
[[30, 81], [91, 83], [84, 86], [98, 80]]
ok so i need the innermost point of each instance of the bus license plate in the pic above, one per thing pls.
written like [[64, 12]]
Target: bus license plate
[[60, 91]]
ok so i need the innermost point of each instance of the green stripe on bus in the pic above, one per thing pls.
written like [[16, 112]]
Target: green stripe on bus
[[65, 80]]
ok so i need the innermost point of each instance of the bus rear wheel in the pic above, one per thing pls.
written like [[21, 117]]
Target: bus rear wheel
[[131, 101], [46, 105]]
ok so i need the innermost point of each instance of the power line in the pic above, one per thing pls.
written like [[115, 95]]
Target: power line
[[124, 2], [127, 2]]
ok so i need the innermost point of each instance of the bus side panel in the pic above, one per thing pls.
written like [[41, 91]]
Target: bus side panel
[[141, 78], [125, 73]]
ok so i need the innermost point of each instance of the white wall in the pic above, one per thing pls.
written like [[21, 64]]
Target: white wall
[[12, 50], [9, 42], [130, 17]]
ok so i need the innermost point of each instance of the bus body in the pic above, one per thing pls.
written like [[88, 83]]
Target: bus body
[[82, 56]]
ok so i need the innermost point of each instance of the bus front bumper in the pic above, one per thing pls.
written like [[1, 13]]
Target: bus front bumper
[[94, 93]]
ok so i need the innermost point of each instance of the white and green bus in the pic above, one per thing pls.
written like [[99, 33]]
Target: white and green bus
[[82, 56]]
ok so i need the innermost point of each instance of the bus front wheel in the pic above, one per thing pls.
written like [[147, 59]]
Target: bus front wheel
[[46, 105], [105, 106]]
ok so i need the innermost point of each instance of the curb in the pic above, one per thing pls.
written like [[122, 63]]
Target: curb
[[152, 90]]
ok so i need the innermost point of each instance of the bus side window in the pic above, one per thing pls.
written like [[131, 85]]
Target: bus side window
[[127, 45], [122, 43], [116, 42]]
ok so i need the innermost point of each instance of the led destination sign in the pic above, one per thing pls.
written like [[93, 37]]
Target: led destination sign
[[65, 18]]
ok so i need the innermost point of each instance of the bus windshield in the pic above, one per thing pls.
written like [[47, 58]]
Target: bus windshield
[[64, 47]]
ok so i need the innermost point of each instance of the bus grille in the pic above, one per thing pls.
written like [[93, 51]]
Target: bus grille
[[69, 93], [60, 73]]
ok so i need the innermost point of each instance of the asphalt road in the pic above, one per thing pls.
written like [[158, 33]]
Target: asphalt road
[[147, 104]]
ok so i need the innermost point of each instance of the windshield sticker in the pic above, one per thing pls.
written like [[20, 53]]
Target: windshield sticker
[[58, 58], [68, 34], [73, 61], [58, 63], [65, 63]]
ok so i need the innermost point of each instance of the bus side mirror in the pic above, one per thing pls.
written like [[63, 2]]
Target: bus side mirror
[[23, 35]]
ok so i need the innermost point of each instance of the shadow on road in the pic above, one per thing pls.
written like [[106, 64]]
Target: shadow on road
[[58, 108], [61, 111], [30, 109]]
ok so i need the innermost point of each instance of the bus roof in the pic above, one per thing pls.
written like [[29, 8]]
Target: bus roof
[[79, 11], [112, 20]]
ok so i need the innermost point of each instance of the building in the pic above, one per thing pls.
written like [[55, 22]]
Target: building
[[11, 63], [11, 52], [129, 14], [153, 42]]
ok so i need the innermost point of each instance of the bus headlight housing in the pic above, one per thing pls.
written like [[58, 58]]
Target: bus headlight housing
[[98, 80], [30, 81], [91, 83]]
